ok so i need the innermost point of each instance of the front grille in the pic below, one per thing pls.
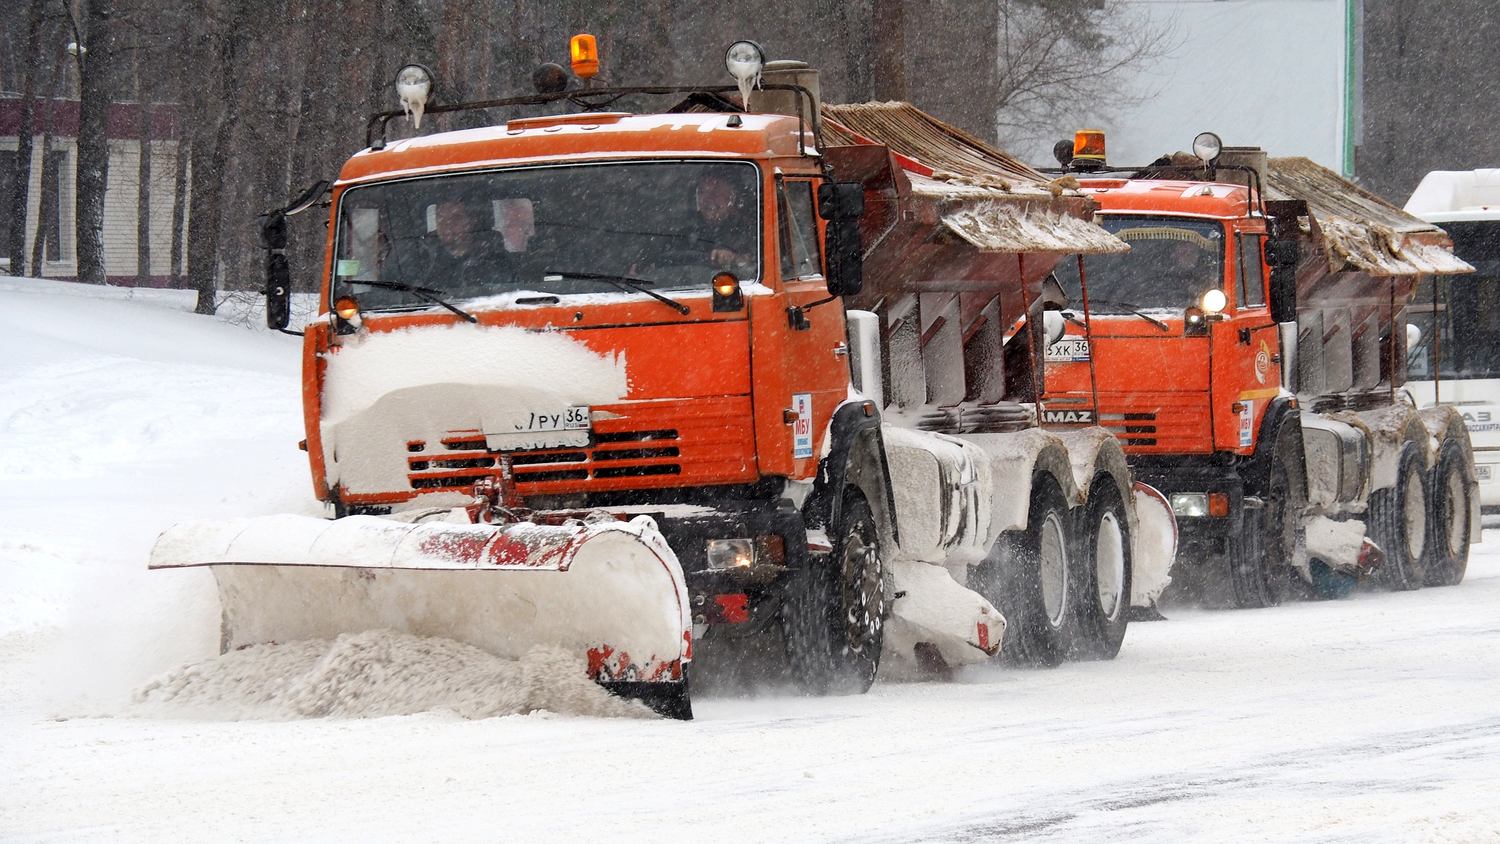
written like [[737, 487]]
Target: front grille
[[1158, 423], [604, 460], [708, 441], [1138, 429]]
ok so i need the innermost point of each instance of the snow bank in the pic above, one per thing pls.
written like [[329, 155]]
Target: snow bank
[[122, 412], [378, 673]]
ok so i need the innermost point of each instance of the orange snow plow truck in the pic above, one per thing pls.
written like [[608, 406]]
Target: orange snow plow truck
[[637, 384], [1250, 352]]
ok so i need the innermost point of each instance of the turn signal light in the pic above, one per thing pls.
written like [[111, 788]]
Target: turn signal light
[[585, 54], [727, 295], [1218, 504], [347, 307]]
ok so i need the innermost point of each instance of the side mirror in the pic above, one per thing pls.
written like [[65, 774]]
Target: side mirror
[[1413, 336], [841, 200], [273, 230], [306, 198], [278, 292], [842, 204], [1283, 254], [1053, 297]]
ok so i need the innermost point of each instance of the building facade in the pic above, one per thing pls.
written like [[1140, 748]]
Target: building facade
[[130, 212]]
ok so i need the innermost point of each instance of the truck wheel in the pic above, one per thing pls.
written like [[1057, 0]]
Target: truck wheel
[[1102, 574], [1026, 577], [1452, 485], [834, 615], [1261, 564], [1398, 523]]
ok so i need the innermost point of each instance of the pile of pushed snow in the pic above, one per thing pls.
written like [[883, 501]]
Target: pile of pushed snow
[[378, 673]]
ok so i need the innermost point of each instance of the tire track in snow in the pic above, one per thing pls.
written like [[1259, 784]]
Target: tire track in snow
[[1448, 742]]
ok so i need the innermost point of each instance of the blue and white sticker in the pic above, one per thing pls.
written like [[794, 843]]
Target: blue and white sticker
[[802, 440], [1247, 423]]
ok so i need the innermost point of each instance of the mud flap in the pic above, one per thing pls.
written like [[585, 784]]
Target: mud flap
[[933, 609], [611, 592], [1155, 546]]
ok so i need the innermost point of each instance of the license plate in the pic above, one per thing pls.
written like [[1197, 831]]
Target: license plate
[[540, 428], [1482, 472], [1069, 349]]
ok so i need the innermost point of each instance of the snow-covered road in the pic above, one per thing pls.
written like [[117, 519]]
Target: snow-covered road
[[1375, 718]]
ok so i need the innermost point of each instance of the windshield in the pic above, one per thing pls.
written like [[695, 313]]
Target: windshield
[[1467, 310], [461, 236], [1171, 263]]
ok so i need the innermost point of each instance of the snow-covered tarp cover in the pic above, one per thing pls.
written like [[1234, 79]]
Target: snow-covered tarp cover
[[989, 198], [1361, 230], [1009, 226]]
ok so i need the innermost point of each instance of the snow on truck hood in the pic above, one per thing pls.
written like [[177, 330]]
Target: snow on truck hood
[[421, 383]]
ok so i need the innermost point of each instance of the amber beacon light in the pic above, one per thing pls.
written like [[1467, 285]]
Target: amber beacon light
[[1088, 145], [585, 54]]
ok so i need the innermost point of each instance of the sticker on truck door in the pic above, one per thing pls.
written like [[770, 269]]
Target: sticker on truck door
[[802, 427], [1247, 423]]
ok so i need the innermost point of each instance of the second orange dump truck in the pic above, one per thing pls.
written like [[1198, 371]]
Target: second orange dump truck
[[1249, 352]]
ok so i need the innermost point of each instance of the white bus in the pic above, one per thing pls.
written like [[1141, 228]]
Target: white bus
[[1457, 358]]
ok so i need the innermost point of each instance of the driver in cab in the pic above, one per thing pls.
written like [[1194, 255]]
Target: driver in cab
[[464, 251], [725, 225]]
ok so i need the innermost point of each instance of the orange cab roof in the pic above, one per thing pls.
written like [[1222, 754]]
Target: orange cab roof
[[578, 137], [1169, 196]]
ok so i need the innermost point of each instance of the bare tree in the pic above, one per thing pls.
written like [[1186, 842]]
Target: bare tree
[[95, 53], [1061, 58], [20, 196]]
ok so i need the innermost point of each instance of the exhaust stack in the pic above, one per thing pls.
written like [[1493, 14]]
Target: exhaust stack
[[788, 72]]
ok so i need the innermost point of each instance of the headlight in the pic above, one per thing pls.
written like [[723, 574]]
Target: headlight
[[725, 554], [1191, 504], [1213, 302]]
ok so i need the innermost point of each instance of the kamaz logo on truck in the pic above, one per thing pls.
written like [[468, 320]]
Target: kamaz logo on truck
[[1068, 417]]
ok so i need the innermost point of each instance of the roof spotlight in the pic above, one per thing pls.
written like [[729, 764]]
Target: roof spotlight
[[744, 60], [1207, 147], [413, 88]]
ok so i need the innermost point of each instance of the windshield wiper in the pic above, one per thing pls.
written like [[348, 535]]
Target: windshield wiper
[[1135, 309], [623, 282], [420, 292]]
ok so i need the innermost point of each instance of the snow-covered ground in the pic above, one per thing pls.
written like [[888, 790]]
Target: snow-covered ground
[[1368, 719]]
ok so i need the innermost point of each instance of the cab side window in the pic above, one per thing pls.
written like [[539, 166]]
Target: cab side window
[[1252, 271], [800, 256]]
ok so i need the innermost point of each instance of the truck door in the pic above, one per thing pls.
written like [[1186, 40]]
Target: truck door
[[801, 354], [1245, 370]]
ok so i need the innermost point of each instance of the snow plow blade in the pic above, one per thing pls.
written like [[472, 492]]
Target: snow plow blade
[[610, 591]]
